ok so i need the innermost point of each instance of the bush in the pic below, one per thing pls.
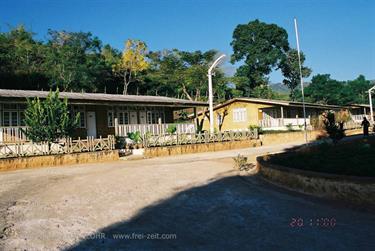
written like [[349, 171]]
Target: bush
[[334, 130], [120, 142], [253, 127], [135, 137], [49, 120], [240, 163], [289, 127], [171, 129]]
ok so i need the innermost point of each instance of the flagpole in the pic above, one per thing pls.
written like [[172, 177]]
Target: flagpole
[[301, 78]]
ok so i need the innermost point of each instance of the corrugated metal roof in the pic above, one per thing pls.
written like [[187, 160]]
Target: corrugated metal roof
[[278, 102], [102, 97]]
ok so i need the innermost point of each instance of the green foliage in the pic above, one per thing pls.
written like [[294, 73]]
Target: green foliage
[[49, 120], [256, 127], [135, 137], [290, 68], [184, 74], [325, 90], [262, 47], [289, 127], [172, 129]]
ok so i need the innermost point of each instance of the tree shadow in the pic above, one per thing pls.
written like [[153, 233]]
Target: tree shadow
[[230, 214]]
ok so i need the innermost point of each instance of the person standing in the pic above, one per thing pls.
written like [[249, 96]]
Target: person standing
[[365, 125]]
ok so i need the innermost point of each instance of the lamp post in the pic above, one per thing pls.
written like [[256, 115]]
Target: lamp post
[[210, 95], [301, 78], [370, 101]]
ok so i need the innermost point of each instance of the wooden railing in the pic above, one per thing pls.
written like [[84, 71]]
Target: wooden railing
[[359, 117], [12, 134], [282, 122], [23, 148], [154, 129], [197, 138]]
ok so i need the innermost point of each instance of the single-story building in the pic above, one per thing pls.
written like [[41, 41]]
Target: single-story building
[[358, 111], [98, 111], [240, 113]]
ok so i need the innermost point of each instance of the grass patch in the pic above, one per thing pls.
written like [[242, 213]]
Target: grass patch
[[356, 158]]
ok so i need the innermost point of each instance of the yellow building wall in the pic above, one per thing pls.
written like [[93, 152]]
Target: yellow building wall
[[253, 115]]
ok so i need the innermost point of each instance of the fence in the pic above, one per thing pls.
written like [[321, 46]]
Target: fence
[[197, 138], [90, 144], [282, 122], [12, 134], [154, 129], [359, 117]]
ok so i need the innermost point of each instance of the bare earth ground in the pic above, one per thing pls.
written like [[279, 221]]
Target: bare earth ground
[[188, 202]]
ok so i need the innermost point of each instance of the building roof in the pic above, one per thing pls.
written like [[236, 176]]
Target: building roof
[[277, 102], [94, 98], [360, 105]]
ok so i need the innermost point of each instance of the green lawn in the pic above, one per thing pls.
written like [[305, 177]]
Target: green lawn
[[350, 158]]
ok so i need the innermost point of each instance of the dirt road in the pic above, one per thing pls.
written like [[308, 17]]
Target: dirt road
[[189, 202]]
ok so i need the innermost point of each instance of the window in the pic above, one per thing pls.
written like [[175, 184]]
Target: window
[[111, 118], [123, 118], [239, 115], [82, 115], [12, 115], [153, 117]]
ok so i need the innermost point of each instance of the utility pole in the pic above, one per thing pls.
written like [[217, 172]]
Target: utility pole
[[301, 78], [370, 101]]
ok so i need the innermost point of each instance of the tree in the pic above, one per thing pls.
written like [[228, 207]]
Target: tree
[[73, 60], [132, 61], [290, 68], [21, 58], [356, 90], [262, 47], [184, 74], [49, 120], [325, 90]]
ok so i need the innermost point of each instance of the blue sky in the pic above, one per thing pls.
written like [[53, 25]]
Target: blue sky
[[338, 37]]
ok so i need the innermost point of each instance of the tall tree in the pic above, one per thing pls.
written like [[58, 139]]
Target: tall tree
[[132, 61], [70, 60], [290, 68], [262, 47]]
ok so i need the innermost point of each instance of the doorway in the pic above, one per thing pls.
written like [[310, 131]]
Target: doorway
[[91, 124]]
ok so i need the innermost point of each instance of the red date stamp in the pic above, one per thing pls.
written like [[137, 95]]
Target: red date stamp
[[322, 222]]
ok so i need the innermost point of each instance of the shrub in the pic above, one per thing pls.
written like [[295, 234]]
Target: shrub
[[253, 127], [240, 163], [333, 129], [120, 142], [49, 120], [289, 127], [135, 137], [171, 129]]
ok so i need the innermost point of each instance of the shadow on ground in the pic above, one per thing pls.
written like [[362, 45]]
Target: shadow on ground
[[230, 214]]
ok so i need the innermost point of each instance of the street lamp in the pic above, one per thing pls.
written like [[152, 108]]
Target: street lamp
[[210, 95], [370, 101]]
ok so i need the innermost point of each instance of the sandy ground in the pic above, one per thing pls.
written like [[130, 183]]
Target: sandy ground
[[188, 202]]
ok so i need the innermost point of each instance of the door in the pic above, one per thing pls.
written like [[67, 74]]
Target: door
[[91, 124], [142, 117], [133, 118]]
